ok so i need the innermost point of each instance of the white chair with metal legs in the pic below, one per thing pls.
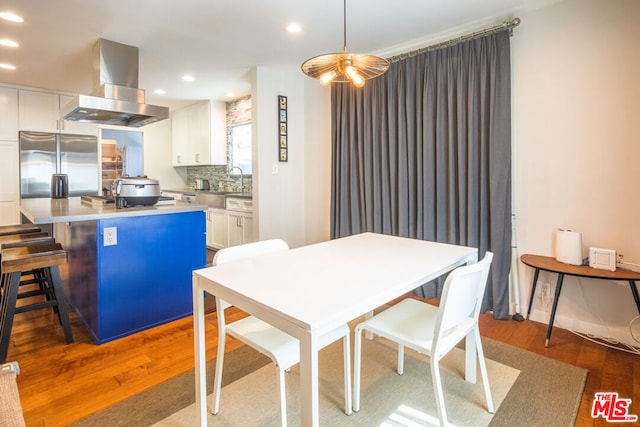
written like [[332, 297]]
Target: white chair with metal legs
[[434, 331], [279, 346]]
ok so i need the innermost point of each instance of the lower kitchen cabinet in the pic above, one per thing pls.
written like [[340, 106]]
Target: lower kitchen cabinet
[[216, 228], [231, 226], [239, 221], [9, 183], [9, 213], [239, 228]]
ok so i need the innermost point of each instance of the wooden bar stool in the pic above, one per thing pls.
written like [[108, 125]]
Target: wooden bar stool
[[18, 229], [25, 239], [22, 239], [26, 258]]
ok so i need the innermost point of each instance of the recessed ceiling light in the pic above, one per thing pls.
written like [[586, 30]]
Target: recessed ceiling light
[[11, 17], [293, 28], [8, 43], [160, 92], [8, 66], [188, 78], [229, 94]]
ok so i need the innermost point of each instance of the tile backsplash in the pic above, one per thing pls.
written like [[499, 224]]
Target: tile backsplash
[[219, 178]]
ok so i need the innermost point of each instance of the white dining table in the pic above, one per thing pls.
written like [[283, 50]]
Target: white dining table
[[311, 290]]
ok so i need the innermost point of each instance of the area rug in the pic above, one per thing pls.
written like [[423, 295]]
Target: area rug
[[527, 388]]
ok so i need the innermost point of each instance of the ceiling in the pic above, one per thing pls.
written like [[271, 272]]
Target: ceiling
[[218, 42]]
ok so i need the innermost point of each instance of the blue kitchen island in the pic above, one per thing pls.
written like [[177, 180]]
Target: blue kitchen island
[[129, 269]]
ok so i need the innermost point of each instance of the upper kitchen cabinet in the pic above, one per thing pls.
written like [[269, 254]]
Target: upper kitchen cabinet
[[199, 135], [40, 112], [8, 114]]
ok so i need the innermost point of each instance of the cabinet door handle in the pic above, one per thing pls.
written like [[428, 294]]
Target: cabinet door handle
[[197, 157]]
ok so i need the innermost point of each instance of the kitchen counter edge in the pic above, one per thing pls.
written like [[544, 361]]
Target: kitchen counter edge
[[192, 192], [47, 211]]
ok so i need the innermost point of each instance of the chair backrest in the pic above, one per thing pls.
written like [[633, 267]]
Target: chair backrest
[[246, 251], [462, 295], [249, 250]]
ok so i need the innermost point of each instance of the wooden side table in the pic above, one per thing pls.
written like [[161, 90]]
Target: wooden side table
[[539, 262]]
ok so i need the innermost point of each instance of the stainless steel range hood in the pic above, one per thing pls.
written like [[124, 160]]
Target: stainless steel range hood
[[116, 99]]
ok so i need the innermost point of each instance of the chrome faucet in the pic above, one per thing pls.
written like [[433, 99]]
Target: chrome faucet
[[241, 177]]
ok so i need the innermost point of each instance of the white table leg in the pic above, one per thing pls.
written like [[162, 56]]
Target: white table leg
[[309, 401], [199, 351]]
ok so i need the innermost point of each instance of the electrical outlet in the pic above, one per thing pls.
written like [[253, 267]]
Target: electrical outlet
[[628, 266], [110, 236]]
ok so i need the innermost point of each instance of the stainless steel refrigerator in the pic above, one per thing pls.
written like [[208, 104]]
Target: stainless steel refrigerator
[[44, 154]]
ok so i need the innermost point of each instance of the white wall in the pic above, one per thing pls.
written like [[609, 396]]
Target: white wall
[[576, 148], [294, 203], [317, 177]]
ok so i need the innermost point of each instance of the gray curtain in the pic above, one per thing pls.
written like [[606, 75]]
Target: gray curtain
[[424, 151]]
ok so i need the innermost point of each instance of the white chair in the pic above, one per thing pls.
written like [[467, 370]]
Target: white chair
[[279, 346], [434, 331]]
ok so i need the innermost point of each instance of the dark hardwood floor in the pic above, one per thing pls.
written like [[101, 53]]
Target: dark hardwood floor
[[61, 383]]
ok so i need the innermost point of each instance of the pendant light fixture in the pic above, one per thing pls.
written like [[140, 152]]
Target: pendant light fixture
[[345, 67]]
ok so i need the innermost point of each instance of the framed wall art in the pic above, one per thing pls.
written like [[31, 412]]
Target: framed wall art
[[283, 148]]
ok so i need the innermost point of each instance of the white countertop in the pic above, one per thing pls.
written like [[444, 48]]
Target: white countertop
[[46, 211]]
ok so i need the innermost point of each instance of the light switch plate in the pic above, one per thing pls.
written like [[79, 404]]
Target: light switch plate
[[110, 236]]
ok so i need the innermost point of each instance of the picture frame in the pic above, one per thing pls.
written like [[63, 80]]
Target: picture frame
[[283, 142]]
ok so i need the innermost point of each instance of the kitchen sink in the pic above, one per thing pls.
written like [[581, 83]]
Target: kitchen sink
[[211, 199], [216, 199]]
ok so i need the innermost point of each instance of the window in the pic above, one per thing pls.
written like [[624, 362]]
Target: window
[[240, 147]]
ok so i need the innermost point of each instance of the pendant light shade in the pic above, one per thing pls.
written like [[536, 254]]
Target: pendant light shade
[[345, 67]]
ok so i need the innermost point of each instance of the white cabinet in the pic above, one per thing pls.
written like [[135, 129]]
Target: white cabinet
[[239, 228], [10, 158], [9, 213], [231, 226], [8, 114], [9, 186], [199, 135], [216, 228], [40, 112], [9, 172], [180, 138], [239, 221]]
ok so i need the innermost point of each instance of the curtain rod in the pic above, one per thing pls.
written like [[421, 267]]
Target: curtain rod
[[506, 25]]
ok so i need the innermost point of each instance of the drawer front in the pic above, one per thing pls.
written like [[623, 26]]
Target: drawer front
[[237, 204]]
